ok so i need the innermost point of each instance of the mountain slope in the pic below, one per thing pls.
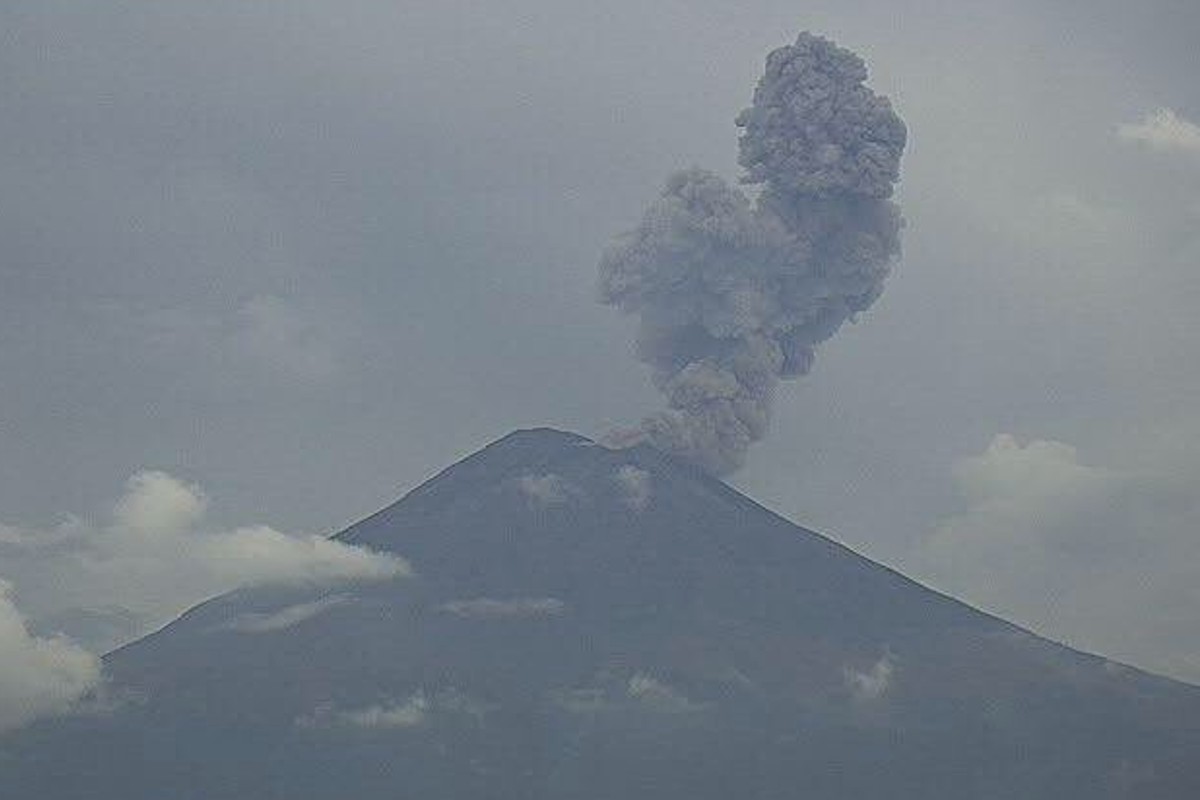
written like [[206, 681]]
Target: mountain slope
[[594, 623]]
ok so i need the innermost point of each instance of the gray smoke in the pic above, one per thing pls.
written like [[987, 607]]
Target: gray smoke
[[733, 295]]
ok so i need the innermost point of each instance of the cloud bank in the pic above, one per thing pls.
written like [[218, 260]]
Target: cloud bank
[[1063, 547], [733, 295], [38, 676], [157, 555]]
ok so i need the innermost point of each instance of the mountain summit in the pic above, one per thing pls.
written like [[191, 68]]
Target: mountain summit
[[590, 623]]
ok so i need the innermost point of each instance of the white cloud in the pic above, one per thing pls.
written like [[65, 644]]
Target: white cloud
[[870, 684], [261, 554], [412, 712], [1163, 129], [408, 714], [641, 691], [655, 695], [544, 491], [1063, 547], [635, 486], [38, 676], [284, 618], [157, 556], [514, 608], [155, 504], [1009, 476]]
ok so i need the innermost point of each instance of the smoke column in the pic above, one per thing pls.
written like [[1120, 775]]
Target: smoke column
[[732, 295]]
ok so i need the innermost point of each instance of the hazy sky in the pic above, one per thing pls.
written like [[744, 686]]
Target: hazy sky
[[305, 255]]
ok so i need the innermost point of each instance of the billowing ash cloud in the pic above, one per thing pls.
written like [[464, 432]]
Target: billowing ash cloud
[[733, 295]]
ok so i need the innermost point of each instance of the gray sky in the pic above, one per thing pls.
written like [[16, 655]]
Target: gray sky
[[304, 255]]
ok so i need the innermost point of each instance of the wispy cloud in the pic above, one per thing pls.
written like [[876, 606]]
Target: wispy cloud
[[546, 490], [642, 691], [412, 712], [281, 336], [408, 713], [870, 684], [656, 695], [284, 618], [512, 608], [1163, 129]]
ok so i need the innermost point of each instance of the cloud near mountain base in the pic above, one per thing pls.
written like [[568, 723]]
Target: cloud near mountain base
[[156, 556]]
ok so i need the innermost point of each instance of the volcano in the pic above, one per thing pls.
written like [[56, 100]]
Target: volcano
[[590, 623]]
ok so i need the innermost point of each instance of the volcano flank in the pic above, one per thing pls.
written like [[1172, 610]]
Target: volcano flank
[[585, 622]]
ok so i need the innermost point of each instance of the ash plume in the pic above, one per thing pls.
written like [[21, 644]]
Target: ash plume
[[733, 294]]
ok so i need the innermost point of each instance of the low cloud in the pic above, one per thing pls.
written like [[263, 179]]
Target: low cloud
[[38, 676], [655, 695], [157, 555], [1164, 130], [635, 487], [642, 691], [414, 711], [870, 684], [408, 713], [547, 490], [1059, 545], [284, 618], [513, 608]]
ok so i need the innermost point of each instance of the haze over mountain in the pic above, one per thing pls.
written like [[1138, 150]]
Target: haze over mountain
[[588, 622]]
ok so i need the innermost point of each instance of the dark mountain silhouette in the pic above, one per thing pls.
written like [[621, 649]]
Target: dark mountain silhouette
[[593, 623]]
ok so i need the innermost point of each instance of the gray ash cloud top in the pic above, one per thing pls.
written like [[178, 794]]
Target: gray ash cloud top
[[732, 294], [815, 128]]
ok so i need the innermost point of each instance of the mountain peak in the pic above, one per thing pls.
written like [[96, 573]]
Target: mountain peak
[[546, 512], [542, 435]]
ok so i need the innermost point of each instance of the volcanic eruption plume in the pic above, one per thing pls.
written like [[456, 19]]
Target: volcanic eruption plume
[[733, 295]]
